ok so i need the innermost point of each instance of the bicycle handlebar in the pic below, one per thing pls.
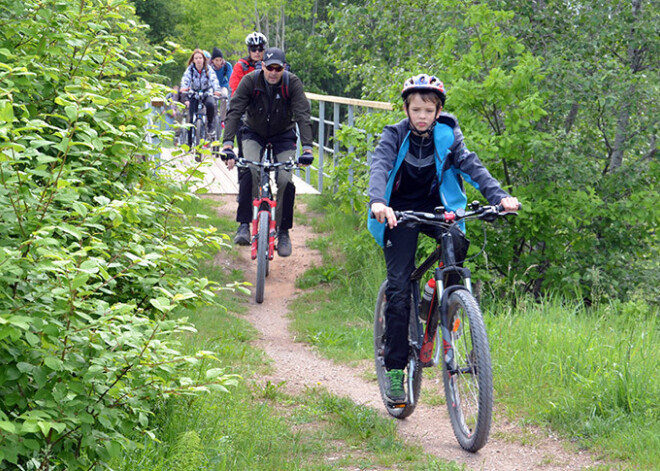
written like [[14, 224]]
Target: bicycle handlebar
[[192, 93], [475, 210], [288, 165]]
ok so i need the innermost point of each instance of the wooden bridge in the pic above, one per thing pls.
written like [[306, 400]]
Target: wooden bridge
[[217, 179], [329, 115]]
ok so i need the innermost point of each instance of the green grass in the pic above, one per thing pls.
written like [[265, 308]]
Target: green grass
[[256, 425], [590, 375], [593, 376]]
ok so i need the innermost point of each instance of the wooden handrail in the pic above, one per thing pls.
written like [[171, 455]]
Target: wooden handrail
[[381, 105]]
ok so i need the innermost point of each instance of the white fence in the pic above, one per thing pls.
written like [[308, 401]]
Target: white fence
[[343, 113]]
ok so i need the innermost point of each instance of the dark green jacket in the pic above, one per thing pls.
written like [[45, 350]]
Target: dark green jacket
[[269, 114]]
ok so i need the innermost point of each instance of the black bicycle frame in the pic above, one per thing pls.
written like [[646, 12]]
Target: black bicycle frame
[[444, 253]]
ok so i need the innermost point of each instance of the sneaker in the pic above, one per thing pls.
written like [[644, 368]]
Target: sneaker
[[243, 234], [394, 389], [283, 243]]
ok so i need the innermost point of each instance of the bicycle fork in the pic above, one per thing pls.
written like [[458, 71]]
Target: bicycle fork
[[429, 355]]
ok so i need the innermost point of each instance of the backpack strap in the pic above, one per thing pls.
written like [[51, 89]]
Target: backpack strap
[[284, 86], [245, 64]]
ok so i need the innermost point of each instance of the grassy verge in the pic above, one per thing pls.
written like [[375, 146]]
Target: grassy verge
[[591, 375], [255, 425]]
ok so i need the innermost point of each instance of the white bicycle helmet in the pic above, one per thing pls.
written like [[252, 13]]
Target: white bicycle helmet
[[256, 39], [424, 82]]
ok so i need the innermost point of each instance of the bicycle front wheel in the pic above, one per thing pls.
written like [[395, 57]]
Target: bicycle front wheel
[[468, 376], [413, 383], [262, 255]]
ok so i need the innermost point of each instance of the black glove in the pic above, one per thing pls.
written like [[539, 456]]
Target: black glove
[[228, 154], [306, 158]]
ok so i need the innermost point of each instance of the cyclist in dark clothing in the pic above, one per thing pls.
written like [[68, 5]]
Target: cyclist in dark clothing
[[273, 101], [223, 70], [419, 164]]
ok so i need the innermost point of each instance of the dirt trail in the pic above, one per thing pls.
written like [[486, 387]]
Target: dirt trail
[[299, 366]]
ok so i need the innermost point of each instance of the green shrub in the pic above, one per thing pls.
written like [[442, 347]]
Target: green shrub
[[94, 254]]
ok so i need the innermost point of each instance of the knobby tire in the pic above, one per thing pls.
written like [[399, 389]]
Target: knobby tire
[[469, 392], [400, 412], [262, 255]]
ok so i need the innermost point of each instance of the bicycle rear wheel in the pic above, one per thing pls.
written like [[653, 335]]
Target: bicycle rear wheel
[[468, 378], [413, 381], [262, 255]]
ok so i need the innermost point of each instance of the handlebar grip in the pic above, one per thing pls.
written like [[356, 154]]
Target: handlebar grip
[[500, 208]]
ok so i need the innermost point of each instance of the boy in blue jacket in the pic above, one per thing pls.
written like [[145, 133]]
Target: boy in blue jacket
[[419, 164]]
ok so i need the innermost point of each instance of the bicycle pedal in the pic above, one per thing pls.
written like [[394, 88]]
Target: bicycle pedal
[[397, 405]]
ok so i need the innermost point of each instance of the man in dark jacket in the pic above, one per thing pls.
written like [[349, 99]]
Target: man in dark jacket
[[273, 101]]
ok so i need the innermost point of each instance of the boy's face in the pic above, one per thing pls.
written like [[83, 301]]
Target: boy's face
[[218, 62], [422, 114]]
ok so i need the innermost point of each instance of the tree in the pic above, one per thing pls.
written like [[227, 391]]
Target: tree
[[553, 112]]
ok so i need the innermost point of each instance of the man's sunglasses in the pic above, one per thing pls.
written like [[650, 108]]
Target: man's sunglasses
[[275, 68], [256, 48]]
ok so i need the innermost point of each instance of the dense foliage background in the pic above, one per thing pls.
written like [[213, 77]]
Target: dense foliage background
[[559, 99]]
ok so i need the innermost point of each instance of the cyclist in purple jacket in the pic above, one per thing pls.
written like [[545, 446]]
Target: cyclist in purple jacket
[[419, 164]]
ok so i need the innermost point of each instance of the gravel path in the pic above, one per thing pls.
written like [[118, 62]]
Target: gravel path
[[510, 447]]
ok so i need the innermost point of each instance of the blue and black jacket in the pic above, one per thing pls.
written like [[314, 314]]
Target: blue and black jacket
[[453, 163]]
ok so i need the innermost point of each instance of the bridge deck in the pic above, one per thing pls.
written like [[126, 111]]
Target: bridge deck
[[217, 178]]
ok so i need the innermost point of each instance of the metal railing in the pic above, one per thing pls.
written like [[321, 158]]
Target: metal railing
[[343, 114]]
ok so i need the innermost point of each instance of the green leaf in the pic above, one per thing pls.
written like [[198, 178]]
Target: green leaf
[[213, 373], [69, 229], [6, 111], [53, 363], [79, 281], [21, 322], [7, 426], [161, 303], [71, 112]]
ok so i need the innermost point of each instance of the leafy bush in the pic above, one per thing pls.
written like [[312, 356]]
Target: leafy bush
[[94, 252], [586, 230]]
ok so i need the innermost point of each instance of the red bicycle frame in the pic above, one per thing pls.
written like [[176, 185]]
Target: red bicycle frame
[[260, 205]]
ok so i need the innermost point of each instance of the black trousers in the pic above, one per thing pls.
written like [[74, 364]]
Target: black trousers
[[400, 249], [211, 112], [284, 146]]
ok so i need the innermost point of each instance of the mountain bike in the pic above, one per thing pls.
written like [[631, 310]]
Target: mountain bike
[[264, 206], [199, 133], [464, 353]]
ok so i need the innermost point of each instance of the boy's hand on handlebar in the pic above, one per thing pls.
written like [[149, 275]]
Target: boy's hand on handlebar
[[510, 204], [384, 213]]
